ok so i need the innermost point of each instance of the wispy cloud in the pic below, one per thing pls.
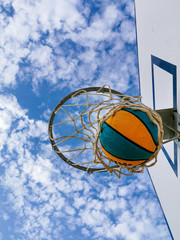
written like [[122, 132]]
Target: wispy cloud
[[63, 44]]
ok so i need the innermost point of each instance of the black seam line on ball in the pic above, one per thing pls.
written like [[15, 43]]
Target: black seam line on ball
[[143, 123], [132, 160], [129, 139]]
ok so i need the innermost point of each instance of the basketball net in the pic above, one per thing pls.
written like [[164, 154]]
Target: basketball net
[[90, 131]]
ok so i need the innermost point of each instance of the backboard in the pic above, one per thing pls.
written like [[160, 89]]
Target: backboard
[[158, 40]]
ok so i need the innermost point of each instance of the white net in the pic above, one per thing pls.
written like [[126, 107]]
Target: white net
[[75, 125]]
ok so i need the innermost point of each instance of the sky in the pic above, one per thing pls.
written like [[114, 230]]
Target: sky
[[47, 50]]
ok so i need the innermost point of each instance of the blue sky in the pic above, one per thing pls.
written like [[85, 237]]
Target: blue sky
[[47, 50]]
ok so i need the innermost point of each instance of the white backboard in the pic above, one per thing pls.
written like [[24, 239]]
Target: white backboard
[[158, 40]]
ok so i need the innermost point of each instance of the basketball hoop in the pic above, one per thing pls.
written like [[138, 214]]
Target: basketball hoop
[[75, 125]]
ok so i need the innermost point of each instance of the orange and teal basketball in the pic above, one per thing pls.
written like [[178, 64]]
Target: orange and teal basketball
[[129, 137]]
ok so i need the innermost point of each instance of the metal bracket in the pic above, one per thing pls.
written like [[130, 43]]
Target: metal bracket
[[171, 125]]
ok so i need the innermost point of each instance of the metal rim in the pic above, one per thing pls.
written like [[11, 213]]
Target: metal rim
[[55, 148]]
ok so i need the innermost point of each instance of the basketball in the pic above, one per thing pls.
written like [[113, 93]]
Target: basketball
[[129, 137]]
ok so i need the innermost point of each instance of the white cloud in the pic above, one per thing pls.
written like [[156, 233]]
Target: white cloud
[[100, 28], [5, 216], [66, 68], [23, 42], [40, 55], [129, 9], [10, 105], [127, 30], [85, 232], [92, 218], [41, 171], [28, 22], [69, 210], [123, 191], [46, 114], [79, 202], [9, 111]]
